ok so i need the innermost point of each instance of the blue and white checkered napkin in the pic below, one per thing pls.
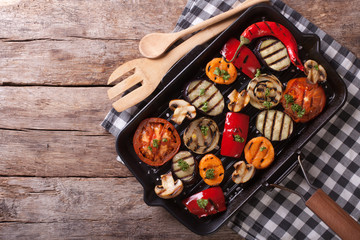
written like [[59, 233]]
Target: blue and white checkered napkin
[[332, 156]]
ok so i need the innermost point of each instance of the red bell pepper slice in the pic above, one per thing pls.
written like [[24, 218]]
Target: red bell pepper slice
[[207, 202], [245, 61], [235, 134]]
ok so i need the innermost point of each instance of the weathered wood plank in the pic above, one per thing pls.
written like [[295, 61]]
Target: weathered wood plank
[[67, 62], [67, 208], [48, 131], [335, 17], [78, 43], [54, 108], [130, 19], [59, 153]]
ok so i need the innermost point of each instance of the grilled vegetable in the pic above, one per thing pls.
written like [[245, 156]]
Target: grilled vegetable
[[201, 136], [169, 188], [303, 101], [234, 135], [245, 59], [273, 53], [181, 110], [243, 172], [184, 167], [220, 71], [274, 125], [265, 91], [238, 100], [207, 202], [156, 141], [259, 152], [266, 28], [211, 170], [315, 73], [205, 96]]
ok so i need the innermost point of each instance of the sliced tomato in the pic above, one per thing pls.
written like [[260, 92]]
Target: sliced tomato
[[156, 141], [303, 101]]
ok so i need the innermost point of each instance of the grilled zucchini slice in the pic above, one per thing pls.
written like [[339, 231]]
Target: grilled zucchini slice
[[274, 125]]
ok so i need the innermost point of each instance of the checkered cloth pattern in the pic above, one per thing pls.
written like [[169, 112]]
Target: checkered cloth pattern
[[332, 156]]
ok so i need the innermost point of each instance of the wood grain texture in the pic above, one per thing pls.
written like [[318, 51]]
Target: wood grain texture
[[335, 17], [101, 208], [58, 175]]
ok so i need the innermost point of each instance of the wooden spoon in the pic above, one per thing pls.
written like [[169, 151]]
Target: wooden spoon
[[154, 45]]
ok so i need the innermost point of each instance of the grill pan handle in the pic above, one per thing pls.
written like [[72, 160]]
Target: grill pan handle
[[327, 210], [333, 215]]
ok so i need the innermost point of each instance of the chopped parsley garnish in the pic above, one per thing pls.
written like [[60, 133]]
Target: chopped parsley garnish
[[210, 173], [183, 165], [267, 104], [288, 99], [202, 203], [164, 139], [150, 148], [267, 92], [156, 143], [298, 109], [239, 139], [204, 106], [222, 73], [262, 149], [204, 129], [202, 91], [258, 73], [316, 67]]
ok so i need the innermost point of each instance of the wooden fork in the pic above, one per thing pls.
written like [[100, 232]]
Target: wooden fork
[[149, 72]]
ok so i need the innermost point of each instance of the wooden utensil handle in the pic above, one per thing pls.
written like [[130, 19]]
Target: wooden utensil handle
[[175, 54], [219, 17], [333, 215]]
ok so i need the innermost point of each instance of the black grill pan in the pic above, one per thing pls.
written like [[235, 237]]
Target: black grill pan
[[192, 67]]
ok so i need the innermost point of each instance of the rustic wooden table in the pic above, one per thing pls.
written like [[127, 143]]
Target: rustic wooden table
[[59, 177]]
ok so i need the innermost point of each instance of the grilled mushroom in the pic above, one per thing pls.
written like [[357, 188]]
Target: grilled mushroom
[[169, 188], [238, 100], [243, 172], [314, 72], [181, 110]]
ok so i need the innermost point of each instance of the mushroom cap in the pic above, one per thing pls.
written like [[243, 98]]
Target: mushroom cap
[[315, 73], [238, 100], [243, 172], [169, 188], [181, 110]]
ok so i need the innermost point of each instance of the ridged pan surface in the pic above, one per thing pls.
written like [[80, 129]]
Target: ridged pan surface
[[192, 67]]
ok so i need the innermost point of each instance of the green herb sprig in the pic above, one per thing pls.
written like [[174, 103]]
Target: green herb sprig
[[202, 203], [183, 165], [210, 173], [222, 73], [238, 138]]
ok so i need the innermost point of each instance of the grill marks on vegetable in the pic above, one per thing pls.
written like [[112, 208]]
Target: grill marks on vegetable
[[188, 174], [211, 101], [274, 53], [265, 91], [274, 125], [196, 140]]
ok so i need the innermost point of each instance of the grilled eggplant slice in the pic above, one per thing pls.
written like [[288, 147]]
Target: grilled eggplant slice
[[205, 96], [273, 54], [265, 91], [274, 125], [184, 166], [201, 136]]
